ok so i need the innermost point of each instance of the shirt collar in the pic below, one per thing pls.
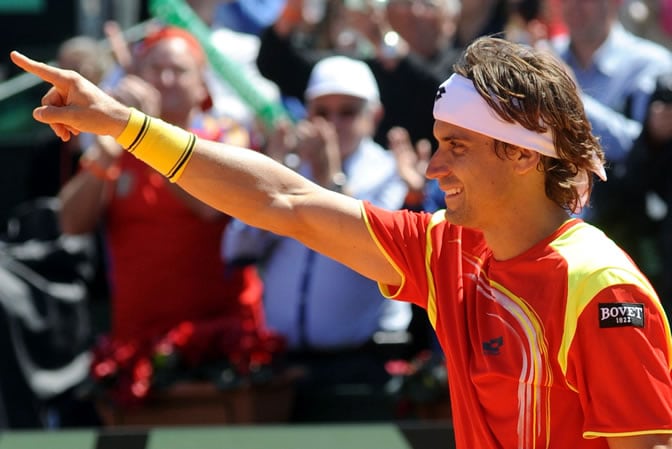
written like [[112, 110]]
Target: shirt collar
[[607, 57]]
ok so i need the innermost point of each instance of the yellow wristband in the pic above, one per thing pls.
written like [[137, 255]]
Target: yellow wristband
[[162, 146]]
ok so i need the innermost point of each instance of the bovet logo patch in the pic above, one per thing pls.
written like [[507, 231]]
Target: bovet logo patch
[[618, 314]]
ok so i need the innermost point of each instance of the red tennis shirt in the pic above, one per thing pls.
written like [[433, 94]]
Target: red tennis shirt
[[557, 347]]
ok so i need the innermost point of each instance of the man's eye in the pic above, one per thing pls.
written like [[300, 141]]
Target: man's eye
[[457, 148]]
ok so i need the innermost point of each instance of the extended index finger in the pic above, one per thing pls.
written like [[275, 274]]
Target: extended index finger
[[48, 73]]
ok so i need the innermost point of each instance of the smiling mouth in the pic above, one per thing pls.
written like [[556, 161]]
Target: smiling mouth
[[453, 191]]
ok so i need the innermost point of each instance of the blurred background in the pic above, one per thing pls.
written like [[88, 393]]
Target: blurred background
[[34, 166]]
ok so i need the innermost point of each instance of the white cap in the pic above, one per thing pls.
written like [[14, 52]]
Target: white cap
[[344, 76]]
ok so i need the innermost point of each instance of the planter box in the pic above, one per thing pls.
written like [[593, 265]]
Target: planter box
[[201, 403], [435, 411]]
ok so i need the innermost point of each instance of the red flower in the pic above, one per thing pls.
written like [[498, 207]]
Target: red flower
[[127, 372]]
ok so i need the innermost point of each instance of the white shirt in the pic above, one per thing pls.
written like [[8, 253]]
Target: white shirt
[[312, 300]]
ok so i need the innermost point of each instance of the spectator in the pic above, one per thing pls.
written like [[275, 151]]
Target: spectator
[[480, 18], [147, 220], [616, 72], [329, 313], [86, 56], [395, 67], [529, 23]]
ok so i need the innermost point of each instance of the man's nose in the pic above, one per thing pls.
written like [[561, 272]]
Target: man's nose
[[167, 76], [436, 167]]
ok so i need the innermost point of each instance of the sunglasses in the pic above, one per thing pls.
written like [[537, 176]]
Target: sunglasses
[[344, 112], [426, 3]]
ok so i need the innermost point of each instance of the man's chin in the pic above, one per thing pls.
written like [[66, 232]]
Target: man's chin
[[456, 217]]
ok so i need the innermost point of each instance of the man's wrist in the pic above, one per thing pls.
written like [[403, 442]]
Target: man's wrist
[[135, 129], [164, 147], [121, 119]]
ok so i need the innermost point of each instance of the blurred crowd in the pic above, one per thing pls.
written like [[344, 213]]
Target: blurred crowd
[[341, 91]]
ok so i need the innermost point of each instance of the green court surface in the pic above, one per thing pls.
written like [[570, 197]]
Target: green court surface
[[327, 437], [337, 436], [84, 439]]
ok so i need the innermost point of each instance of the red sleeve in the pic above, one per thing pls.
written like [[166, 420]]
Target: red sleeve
[[619, 361], [401, 236]]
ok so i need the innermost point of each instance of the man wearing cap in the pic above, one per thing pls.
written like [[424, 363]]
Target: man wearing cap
[[553, 337], [328, 312], [147, 220]]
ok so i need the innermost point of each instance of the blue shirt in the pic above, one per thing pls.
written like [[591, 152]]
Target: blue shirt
[[312, 300], [248, 16], [617, 85], [435, 198]]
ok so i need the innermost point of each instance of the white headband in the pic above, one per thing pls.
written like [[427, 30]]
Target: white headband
[[459, 103]]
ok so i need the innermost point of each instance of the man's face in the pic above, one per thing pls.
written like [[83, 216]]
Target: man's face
[[471, 7], [476, 181], [352, 118], [589, 20], [422, 23], [171, 67]]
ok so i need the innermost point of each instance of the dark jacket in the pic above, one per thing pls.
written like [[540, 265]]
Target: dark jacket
[[406, 92]]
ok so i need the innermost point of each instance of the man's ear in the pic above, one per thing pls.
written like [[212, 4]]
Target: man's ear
[[526, 159], [378, 114], [206, 101]]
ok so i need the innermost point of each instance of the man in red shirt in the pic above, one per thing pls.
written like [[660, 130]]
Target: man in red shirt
[[147, 220], [553, 338]]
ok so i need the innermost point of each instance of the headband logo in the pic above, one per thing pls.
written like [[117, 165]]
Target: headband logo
[[439, 93]]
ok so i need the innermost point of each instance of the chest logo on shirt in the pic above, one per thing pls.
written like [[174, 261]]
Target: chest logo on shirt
[[491, 347], [617, 314]]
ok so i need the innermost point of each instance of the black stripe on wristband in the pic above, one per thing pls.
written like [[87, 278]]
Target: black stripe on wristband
[[146, 122], [184, 158]]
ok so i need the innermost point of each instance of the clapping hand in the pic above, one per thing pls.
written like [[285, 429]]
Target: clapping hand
[[411, 162]]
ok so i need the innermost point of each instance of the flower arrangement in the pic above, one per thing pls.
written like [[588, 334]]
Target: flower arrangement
[[227, 351], [419, 384]]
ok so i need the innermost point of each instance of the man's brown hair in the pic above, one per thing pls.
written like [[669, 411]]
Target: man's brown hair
[[534, 89]]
